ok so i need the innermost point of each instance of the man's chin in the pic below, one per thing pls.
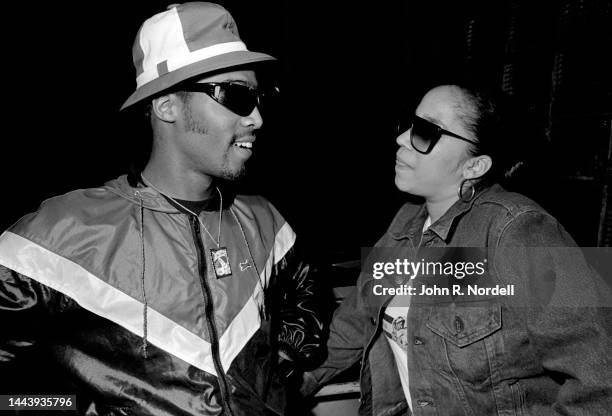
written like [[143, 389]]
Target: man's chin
[[233, 174]]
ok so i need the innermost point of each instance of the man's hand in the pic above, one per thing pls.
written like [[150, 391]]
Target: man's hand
[[309, 384]]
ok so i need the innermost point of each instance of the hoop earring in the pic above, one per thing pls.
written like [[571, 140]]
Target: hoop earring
[[461, 194]]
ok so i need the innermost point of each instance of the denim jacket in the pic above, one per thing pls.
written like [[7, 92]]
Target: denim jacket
[[547, 350]]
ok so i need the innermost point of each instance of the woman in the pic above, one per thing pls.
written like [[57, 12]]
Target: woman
[[543, 350]]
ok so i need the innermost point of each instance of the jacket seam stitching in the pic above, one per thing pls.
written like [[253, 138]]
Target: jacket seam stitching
[[456, 381], [515, 217]]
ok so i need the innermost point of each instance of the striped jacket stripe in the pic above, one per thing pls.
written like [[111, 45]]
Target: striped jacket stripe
[[95, 295]]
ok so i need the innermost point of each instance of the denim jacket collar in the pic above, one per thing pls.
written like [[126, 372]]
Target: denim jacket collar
[[409, 222]]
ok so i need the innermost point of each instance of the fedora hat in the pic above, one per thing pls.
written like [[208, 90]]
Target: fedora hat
[[185, 41]]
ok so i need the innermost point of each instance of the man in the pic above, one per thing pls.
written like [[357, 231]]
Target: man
[[162, 293]]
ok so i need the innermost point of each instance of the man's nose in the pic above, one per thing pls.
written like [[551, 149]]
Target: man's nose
[[254, 119]]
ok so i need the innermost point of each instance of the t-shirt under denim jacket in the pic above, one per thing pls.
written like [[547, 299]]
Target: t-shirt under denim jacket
[[546, 350]]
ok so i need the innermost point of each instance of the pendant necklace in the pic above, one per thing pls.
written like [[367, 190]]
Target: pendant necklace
[[219, 255]]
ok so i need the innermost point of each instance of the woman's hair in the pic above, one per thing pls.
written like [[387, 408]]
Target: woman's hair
[[497, 129]]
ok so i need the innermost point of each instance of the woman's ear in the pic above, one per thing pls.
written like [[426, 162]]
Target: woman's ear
[[476, 166]]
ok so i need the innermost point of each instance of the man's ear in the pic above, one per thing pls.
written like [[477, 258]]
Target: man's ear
[[166, 108], [475, 167]]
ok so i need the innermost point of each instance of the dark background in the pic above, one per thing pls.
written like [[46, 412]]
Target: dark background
[[347, 70]]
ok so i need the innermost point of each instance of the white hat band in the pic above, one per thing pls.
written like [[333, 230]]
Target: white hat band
[[189, 58]]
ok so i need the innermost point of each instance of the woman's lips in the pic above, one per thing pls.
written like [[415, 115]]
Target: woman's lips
[[402, 165]]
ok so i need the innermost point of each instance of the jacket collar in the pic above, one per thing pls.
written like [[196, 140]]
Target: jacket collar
[[140, 194], [409, 222], [133, 189]]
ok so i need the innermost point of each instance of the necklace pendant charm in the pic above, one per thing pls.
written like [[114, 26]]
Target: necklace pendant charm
[[220, 261], [399, 280]]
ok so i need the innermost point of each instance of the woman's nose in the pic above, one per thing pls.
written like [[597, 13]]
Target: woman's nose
[[404, 139]]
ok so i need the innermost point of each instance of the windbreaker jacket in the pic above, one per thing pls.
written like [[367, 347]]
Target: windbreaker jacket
[[119, 287], [545, 350]]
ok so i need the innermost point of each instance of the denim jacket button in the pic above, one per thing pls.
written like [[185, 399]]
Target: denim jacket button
[[458, 324], [373, 320], [418, 341]]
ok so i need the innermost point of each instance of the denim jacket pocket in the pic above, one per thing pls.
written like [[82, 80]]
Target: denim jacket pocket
[[466, 348], [463, 325]]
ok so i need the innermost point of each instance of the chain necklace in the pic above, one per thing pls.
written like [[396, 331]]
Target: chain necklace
[[222, 268], [219, 256], [218, 240]]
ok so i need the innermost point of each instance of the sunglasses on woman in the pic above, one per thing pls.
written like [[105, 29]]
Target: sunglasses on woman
[[424, 134], [235, 96]]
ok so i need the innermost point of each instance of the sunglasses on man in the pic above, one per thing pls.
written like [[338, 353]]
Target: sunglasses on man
[[424, 134], [235, 96]]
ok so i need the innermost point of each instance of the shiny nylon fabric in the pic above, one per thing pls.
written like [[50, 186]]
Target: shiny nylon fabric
[[106, 245], [109, 248]]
